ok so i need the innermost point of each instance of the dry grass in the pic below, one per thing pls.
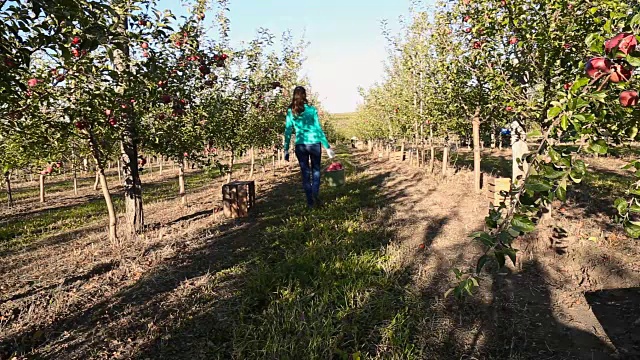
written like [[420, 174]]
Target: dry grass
[[352, 278]]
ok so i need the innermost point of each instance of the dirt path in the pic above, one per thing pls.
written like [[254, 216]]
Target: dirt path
[[366, 274]]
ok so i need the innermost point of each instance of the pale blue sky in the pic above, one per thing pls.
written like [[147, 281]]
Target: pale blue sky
[[346, 47]]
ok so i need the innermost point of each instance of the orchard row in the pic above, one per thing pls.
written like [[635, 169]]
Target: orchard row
[[109, 80], [481, 69]]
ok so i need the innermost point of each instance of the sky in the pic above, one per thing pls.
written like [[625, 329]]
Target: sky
[[346, 48]]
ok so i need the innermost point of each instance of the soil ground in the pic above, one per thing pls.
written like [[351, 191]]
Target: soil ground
[[349, 280]]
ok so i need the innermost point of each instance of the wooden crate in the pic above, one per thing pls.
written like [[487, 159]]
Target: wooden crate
[[238, 198], [496, 186]]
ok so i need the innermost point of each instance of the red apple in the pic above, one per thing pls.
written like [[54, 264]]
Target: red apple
[[32, 82], [567, 46], [161, 117], [9, 63], [113, 122], [421, 246], [509, 108], [144, 45], [513, 40], [613, 43], [186, 154], [597, 66], [568, 85], [162, 83], [178, 43], [467, 18], [620, 74], [466, 2], [503, 3], [76, 40], [201, 16], [467, 30], [107, 112], [628, 44], [204, 70], [145, 54], [75, 52], [629, 98], [80, 125], [142, 22], [59, 164], [477, 45], [166, 98]]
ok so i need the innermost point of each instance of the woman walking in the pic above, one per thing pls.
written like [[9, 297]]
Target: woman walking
[[303, 118]]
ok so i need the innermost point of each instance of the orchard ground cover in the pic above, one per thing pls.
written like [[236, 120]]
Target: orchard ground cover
[[363, 276]]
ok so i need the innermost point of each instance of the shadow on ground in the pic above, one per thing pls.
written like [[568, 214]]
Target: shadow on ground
[[289, 283]]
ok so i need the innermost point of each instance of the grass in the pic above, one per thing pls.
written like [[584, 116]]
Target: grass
[[22, 230], [320, 289]]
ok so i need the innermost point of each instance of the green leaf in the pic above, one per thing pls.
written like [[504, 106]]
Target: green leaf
[[522, 224], [579, 166], [484, 238], [553, 112], [621, 205], [561, 193], [599, 147], [564, 122], [481, 263], [633, 61], [632, 228], [501, 259], [578, 84], [512, 254], [537, 184], [634, 208]]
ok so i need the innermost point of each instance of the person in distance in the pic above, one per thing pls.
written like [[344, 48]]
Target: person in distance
[[303, 118]]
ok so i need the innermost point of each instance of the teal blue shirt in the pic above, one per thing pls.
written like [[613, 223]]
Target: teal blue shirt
[[307, 127]]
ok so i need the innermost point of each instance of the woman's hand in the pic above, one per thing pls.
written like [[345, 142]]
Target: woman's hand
[[331, 154]]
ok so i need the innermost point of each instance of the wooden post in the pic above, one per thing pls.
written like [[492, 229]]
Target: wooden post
[[476, 151], [7, 179], [183, 194], [253, 162], [42, 197], [445, 157]]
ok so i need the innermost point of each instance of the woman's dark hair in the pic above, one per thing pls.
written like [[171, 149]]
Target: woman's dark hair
[[299, 100]]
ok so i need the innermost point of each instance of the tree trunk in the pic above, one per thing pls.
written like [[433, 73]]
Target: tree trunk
[[183, 193], [95, 184], [161, 161], [7, 180], [402, 151], [445, 158], [42, 197], [119, 171], [134, 213], [476, 151], [230, 173], [107, 198], [432, 160], [253, 162], [74, 169]]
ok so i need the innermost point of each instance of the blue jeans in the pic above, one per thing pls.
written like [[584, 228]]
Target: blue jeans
[[310, 172]]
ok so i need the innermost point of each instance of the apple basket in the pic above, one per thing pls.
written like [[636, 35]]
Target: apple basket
[[334, 174]]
